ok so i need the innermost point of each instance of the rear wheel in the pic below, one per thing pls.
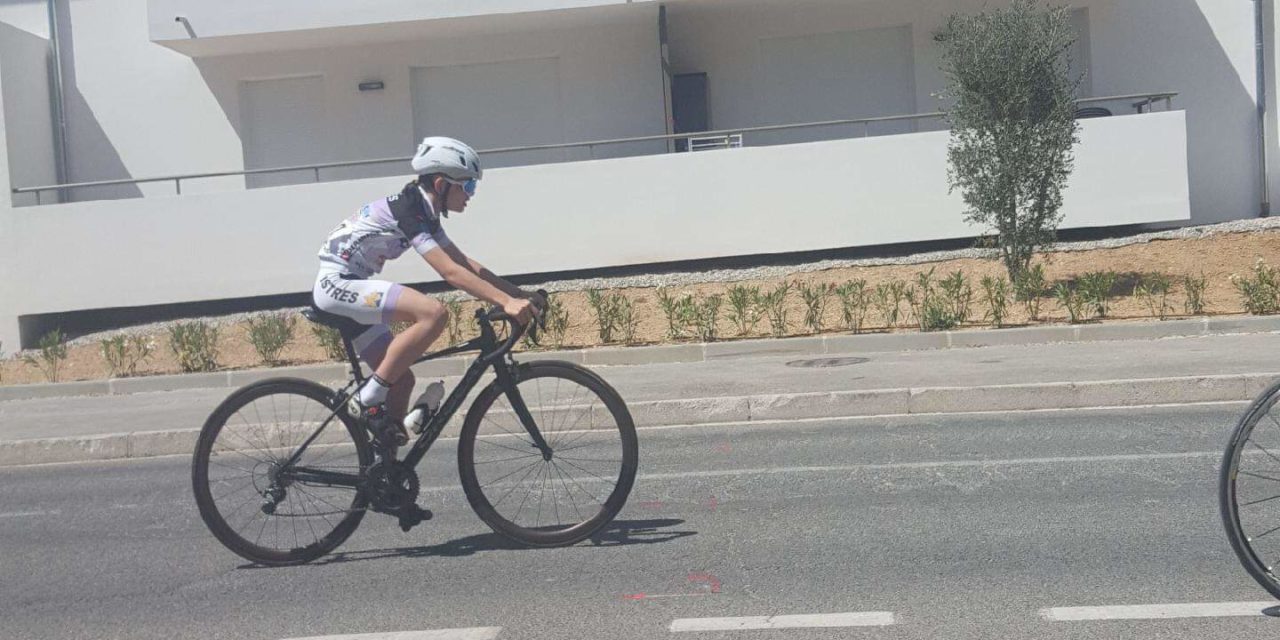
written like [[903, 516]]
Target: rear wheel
[[243, 489], [558, 501]]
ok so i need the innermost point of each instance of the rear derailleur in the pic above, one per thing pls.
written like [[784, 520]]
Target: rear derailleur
[[393, 489]]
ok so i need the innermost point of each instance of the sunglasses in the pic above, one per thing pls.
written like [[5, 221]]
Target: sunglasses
[[468, 186]]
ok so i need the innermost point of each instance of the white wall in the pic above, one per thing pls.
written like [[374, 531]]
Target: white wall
[[1200, 48], [140, 109], [610, 87], [24, 61], [134, 108], [282, 125], [9, 337], [857, 193], [247, 17]]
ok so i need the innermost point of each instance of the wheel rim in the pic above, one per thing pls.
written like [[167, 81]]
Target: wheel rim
[[248, 451], [588, 460], [1254, 485]]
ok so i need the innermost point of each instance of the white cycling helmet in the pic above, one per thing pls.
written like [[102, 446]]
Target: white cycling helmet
[[447, 157]]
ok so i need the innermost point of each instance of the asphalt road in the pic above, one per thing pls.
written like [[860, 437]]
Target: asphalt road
[[965, 526]]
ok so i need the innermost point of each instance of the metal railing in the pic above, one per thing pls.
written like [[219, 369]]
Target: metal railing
[[1145, 102]]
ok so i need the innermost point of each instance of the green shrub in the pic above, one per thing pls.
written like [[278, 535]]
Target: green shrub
[[815, 303], [997, 290], [195, 345], [627, 319], [670, 307], [1028, 287], [1194, 304], [53, 351], [743, 308], [1071, 300], [854, 300], [1153, 290], [773, 305], [1095, 289], [614, 313], [331, 340], [269, 334], [453, 304], [1260, 293], [556, 320], [123, 353], [708, 318], [888, 300], [957, 297], [940, 306]]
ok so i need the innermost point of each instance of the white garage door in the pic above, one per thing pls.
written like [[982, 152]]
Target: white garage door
[[282, 124], [835, 76], [500, 104]]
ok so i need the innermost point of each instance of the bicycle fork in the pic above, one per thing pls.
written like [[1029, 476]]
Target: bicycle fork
[[507, 378]]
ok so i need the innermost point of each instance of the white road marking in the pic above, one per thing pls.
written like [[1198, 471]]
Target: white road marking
[[852, 619], [1137, 457], [472, 633], [27, 514], [1157, 611]]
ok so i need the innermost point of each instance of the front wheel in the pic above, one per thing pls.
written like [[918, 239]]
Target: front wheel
[[519, 492]]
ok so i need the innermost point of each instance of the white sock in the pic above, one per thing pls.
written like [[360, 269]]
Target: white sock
[[374, 391]]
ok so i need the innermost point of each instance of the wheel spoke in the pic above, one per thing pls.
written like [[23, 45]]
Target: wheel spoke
[[1245, 504], [1263, 449], [1258, 475]]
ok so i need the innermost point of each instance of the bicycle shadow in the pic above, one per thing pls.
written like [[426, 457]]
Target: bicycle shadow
[[618, 533]]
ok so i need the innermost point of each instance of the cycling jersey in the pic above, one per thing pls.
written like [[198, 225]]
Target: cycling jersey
[[381, 231]]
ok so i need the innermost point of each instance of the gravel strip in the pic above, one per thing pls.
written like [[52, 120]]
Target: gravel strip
[[772, 272]]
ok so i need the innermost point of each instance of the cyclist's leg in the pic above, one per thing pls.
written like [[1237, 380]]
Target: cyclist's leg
[[428, 318], [401, 390], [378, 303]]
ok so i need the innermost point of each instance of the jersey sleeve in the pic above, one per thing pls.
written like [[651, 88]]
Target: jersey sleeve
[[424, 242]]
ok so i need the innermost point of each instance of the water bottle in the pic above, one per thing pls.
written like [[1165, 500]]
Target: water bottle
[[425, 407]]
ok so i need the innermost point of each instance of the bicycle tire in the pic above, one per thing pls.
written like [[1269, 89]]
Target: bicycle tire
[[270, 442], [1242, 543], [618, 431]]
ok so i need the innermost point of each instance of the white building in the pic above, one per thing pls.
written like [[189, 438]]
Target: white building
[[179, 88]]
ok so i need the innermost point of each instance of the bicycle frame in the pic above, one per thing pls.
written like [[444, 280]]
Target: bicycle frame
[[491, 355]]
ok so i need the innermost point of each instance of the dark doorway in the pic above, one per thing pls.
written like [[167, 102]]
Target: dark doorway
[[689, 105]]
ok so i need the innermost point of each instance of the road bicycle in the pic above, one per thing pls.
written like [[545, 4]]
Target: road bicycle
[[547, 454], [1249, 489]]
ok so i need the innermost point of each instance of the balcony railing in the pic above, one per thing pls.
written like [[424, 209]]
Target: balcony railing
[[1139, 103]]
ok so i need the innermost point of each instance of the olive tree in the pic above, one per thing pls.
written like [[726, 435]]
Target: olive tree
[[1012, 117]]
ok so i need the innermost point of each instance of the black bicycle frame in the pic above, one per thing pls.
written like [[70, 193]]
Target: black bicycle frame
[[491, 354]]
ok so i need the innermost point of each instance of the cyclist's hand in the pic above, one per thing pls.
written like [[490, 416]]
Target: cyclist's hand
[[520, 309], [538, 300]]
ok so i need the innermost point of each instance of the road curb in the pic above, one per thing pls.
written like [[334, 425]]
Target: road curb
[[757, 408]]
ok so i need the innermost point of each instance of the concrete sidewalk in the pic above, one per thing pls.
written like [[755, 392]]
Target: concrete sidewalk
[[835, 376]]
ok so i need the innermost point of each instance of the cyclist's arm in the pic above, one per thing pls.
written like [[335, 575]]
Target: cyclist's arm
[[460, 275], [478, 269]]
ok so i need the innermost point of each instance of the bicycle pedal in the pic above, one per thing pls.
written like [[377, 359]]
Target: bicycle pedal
[[411, 517]]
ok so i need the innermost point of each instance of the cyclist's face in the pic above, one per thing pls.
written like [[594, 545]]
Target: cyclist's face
[[457, 198]]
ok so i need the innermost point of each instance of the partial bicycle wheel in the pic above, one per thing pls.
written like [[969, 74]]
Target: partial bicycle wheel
[[581, 488], [1249, 490], [247, 502]]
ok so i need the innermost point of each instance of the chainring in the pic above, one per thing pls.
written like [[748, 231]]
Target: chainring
[[392, 486]]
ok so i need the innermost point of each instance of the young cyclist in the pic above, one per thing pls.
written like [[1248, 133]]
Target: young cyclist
[[357, 249]]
